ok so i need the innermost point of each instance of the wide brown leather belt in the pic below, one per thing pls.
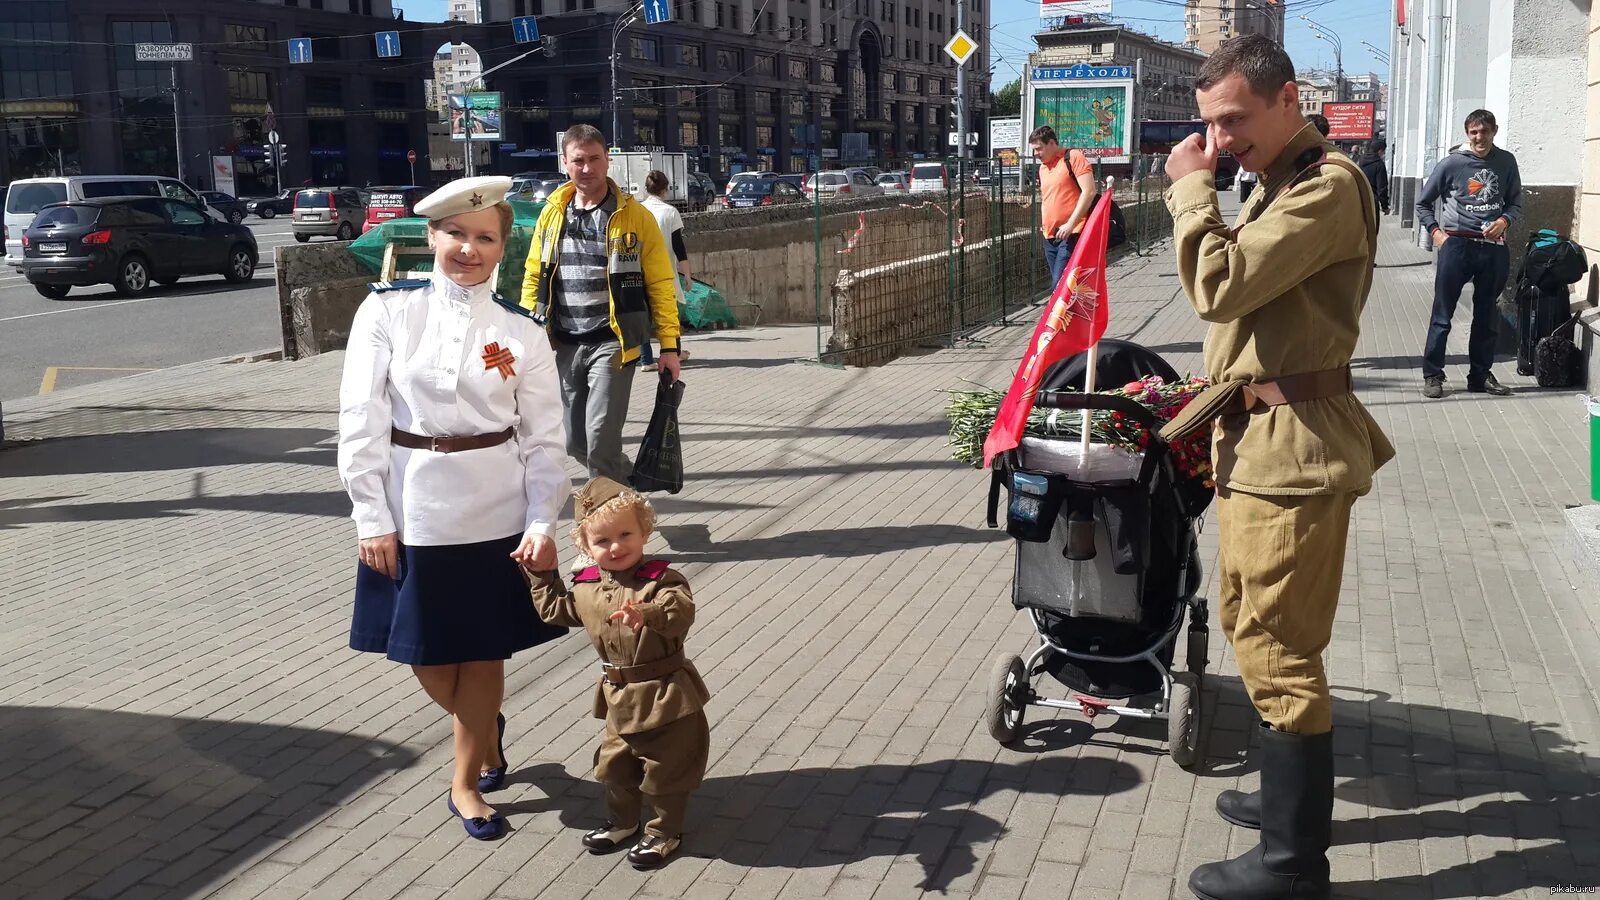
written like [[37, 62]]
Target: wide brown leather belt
[[1240, 396], [450, 444], [650, 671]]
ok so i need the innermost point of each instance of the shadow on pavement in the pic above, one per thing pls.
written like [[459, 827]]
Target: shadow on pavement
[[331, 504], [815, 817], [785, 431], [1434, 774], [693, 543], [154, 451], [96, 802]]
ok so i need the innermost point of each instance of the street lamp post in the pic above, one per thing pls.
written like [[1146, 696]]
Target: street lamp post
[[628, 17], [1325, 33]]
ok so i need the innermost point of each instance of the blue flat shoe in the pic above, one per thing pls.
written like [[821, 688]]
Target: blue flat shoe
[[478, 827], [494, 779]]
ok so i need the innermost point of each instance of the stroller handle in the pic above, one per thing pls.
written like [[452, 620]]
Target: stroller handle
[[1106, 402]]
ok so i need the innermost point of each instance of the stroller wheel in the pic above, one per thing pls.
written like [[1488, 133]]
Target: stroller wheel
[[1003, 709], [1183, 720]]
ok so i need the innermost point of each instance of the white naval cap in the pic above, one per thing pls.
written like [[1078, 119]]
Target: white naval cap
[[463, 196]]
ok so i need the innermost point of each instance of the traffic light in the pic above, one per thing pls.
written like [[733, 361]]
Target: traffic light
[[552, 47], [272, 154]]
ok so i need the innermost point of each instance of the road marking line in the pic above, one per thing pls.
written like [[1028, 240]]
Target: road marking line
[[49, 383], [57, 312]]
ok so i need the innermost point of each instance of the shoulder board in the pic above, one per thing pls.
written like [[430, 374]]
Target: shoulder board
[[588, 575], [653, 569], [403, 284], [517, 308]]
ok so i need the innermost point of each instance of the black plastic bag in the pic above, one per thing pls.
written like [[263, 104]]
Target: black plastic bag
[[659, 466]]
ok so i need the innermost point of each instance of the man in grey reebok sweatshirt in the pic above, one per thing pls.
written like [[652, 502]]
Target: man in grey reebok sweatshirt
[[1479, 193]]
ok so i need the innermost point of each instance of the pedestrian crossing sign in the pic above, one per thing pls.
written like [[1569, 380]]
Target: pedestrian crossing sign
[[961, 48]]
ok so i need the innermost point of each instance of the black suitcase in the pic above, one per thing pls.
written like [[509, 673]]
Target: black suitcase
[[1539, 313]]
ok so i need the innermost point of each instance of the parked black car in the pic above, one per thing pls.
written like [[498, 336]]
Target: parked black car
[[128, 242], [231, 207], [281, 205], [702, 191], [762, 192]]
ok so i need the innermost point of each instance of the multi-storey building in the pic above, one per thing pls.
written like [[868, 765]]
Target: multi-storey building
[[1207, 23], [744, 84], [1317, 88], [75, 100], [1166, 71]]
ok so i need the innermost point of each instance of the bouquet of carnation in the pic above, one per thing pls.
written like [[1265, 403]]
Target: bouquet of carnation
[[971, 414]]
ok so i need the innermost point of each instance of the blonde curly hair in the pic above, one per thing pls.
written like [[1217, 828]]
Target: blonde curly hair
[[631, 501]]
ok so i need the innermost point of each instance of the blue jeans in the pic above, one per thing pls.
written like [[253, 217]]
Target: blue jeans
[[1056, 254], [1486, 266]]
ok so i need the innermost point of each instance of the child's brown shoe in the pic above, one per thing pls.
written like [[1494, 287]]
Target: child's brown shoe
[[608, 837], [652, 851]]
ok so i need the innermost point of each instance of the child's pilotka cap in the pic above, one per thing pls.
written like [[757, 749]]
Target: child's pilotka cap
[[597, 493]]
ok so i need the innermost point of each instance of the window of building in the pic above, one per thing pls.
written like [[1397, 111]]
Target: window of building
[[721, 15], [248, 86], [764, 136], [734, 16], [1097, 48], [797, 106], [764, 101], [799, 70], [771, 19], [324, 92], [727, 100], [913, 83], [643, 48], [935, 86], [728, 134], [246, 38], [688, 135], [766, 64], [691, 56], [825, 73], [651, 96], [144, 102], [571, 5], [644, 134], [825, 106], [729, 61], [887, 80], [323, 48]]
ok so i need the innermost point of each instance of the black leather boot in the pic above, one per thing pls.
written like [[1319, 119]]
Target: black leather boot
[[1239, 808], [1296, 809]]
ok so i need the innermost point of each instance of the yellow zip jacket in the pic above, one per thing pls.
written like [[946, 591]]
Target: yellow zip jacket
[[640, 274]]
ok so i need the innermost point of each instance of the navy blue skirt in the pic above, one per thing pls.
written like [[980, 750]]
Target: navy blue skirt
[[451, 604]]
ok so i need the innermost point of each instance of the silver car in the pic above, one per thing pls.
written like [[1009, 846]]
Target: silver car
[[844, 184], [336, 212]]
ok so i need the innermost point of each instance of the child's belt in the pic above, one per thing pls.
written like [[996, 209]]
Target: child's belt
[[650, 671], [1246, 396]]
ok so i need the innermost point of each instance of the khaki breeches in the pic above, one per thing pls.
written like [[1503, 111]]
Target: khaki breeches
[[664, 764], [1280, 565]]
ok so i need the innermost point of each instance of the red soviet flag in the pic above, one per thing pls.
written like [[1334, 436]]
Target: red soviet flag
[[1074, 318]]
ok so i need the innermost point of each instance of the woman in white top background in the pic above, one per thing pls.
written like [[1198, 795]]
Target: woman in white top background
[[671, 223], [452, 448]]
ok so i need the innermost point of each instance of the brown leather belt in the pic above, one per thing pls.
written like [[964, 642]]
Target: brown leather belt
[[450, 444], [650, 671], [1231, 397]]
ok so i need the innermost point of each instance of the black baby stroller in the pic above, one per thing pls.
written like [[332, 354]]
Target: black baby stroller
[[1107, 564]]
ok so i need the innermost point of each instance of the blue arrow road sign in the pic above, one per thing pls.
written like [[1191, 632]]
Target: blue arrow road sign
[[300, 50], [656, 12], [525, 29], [388, 43]]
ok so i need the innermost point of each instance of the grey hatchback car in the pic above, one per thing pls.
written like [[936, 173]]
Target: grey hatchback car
[[335, 212]]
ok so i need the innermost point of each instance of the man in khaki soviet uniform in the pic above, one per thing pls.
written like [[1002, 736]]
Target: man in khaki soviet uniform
[[1293, 447], [637, 614]]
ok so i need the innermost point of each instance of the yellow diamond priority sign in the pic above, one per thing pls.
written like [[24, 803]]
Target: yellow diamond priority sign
[[961, 48]]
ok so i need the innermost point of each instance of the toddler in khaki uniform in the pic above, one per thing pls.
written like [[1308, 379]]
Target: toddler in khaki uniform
[[637, 614]]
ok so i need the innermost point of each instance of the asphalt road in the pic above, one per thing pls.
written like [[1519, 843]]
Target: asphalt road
[[94, 334]]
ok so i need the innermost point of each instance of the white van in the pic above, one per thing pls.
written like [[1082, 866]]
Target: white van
[[25, 196]]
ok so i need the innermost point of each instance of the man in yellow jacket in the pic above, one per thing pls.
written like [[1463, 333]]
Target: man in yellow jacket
[[600, 278]]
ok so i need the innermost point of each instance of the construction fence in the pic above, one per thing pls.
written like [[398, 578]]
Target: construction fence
[[938, 266]]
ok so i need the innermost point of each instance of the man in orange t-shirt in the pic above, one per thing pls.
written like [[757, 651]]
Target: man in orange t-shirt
[[1066, 191]]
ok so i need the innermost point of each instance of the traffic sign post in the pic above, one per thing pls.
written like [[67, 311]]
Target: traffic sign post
[[411, 157], [960, 48], [525, 29], [657, 11], [388, 44], [299, 50]]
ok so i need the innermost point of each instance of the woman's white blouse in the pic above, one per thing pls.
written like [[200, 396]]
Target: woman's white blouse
[[417, 361]]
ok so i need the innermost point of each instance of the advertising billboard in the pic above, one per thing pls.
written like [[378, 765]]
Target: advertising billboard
[[1350, 121], [1049, 9], [1005, 140], [1091, 115], [484, 109]]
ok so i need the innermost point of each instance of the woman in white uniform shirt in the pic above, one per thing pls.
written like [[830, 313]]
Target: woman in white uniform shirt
[[451, 447]]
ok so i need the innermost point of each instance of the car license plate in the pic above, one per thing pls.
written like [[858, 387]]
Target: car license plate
[[384, 215], [744, 203], [52, 248]]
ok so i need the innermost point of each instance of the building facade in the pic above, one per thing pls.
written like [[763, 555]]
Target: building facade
[[74, 100], [1166, 71], [1317, 88], [1207, 23], [781, 85]]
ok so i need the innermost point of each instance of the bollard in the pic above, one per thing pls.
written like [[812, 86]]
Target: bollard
[[1594, 448]]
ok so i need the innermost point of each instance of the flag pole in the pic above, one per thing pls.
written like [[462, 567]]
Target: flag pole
[[1090, 364]]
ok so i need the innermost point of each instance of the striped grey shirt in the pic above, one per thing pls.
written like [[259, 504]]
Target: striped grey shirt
[[582, 300]]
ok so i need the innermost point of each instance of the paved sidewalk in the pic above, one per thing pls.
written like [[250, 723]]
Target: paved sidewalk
[[181, 717]]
